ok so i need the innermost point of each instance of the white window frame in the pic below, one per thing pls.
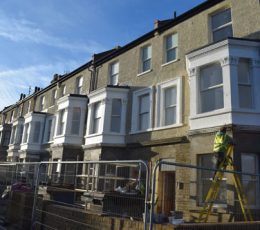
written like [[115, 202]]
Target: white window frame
[[42, 103], [53, 96], [116, 115], [142, 60], [61, 122], [73, 121], [13, 135], [37, 131], [160, 115], [166, 50], [92, 130], [62, 90], [26, 133], [248, 84], [199, 109], [220, 27], [112, 74], [79, 84], [135, 109], [29, 105]]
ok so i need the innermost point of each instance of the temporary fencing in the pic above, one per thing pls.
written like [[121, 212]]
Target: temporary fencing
[[104, 188], [116, 194], [180, 194]]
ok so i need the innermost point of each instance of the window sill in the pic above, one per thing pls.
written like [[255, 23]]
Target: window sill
[[141, 131], [170, 62], [145, 72], [210, 114], [168, 127]]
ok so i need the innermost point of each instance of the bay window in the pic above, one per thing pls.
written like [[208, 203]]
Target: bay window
[[36, 132], [26, 133]]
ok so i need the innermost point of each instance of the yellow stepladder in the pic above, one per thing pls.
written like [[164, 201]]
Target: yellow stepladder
[[214, 188]]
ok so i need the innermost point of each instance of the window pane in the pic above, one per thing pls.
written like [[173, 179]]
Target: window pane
[[37, 128], [245, 96], [223, 33], [144, 121], [147, 65], [96, 125], [75, 120], [243, 71], [212, 99], [147, 52], [114, 68], [115, 124], [221, 18], [205, 180], [116, 107], [250, 183], [171, 55], [210, 76], [144, 105], [170, 96], [170, 115], [97, 110], [171, 41]]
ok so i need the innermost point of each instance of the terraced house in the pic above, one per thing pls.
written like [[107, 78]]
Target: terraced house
[[161, 96]]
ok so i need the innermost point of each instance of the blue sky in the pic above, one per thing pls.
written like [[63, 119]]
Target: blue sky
[[41, 38]]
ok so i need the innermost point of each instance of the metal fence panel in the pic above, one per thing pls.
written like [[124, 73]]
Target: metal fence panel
[[203, 195]]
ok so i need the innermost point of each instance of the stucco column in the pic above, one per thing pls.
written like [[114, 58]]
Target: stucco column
[[194, 90], [230, 82], [123, 116], [255, 68], [90, 115]]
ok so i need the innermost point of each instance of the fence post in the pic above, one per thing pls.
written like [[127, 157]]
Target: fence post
[[153, 193], [35, 193]]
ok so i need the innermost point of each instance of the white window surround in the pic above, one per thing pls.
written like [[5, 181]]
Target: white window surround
[[170, 48], [49, 131], [225, 52], [42, 103], [79, 84], [177, 82], [218, 26], [113, 73], [145, 59], [105, 97], [135, 109]]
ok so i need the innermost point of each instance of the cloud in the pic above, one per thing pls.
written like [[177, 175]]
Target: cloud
[[21, 30], [13, 82]]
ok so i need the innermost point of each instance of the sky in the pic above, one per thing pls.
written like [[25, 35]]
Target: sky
[[44, 37]]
